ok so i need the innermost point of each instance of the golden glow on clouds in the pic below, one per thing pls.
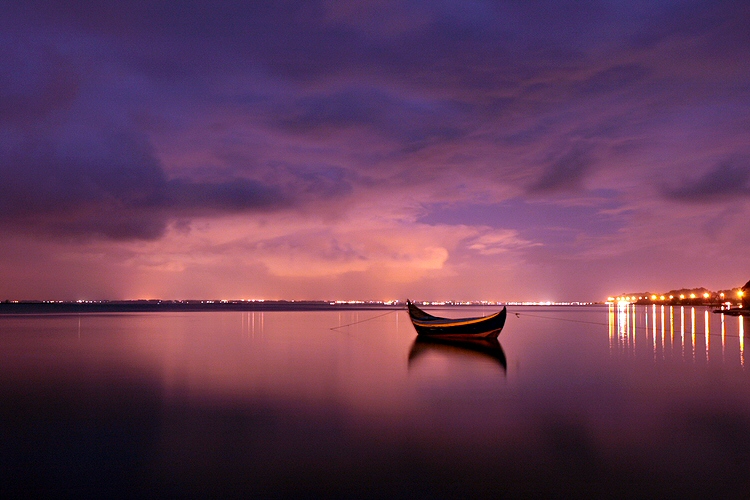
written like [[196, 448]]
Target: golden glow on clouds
[[499, 242], [295, 247], [349, 255]]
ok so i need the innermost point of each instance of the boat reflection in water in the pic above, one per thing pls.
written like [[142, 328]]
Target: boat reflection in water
[[471, 348], [688, 333]]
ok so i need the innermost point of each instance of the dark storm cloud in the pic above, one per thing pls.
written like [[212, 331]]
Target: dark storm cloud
[[324, 181], [729, 180], [565, 173], [74, 160], [111, 184], [552, 86], [468, 47], [33, 84], [415, 123], [235, 195], [70, 167]]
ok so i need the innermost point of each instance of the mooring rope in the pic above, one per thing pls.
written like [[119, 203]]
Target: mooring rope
[[518, 315], [524, 314], [366, 319]]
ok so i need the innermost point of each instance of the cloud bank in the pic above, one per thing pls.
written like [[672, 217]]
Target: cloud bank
[[576, 131]]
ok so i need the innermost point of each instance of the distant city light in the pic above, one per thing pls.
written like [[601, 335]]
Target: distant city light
[[707, 297]]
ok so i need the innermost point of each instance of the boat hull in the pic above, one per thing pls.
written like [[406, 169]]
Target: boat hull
[[487, 327]]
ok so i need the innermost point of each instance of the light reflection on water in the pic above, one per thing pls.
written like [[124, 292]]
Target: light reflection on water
[[630, 334], [592, 400]]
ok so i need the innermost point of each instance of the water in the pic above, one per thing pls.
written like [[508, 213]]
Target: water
[[588, 400]]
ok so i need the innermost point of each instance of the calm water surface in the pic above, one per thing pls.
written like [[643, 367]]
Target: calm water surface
[[603, 401]]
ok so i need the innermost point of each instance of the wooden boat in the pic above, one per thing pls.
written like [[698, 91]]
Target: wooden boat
[[486, 327]]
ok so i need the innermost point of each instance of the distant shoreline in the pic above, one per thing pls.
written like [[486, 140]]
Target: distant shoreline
[[144, 306]]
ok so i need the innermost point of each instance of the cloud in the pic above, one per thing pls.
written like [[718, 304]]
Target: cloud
[[499, 242], [120, 123], [315, 249], [34, 81], [410, 121], [564, 174], [730, 179], [614, 78], [231, 196], [110, 184]]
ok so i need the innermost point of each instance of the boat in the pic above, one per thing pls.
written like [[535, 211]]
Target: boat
[[485, 327]]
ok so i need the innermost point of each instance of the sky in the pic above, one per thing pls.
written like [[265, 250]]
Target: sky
[[373, 150]]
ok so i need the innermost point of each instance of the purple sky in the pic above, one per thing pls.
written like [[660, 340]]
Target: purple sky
[[510, 150]]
